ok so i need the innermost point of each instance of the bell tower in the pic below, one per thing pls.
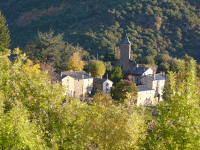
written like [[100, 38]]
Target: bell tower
[[125, 54]]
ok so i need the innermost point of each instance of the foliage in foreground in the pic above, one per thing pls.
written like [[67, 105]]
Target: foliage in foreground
[[177, 126], [34, 114]]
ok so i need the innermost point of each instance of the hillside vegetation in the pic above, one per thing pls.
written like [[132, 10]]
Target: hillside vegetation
[[153, 26]]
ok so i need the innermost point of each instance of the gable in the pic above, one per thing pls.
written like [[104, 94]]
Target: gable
[[148, 71]]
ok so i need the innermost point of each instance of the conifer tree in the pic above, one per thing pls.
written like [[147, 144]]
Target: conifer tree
[[4, 34]]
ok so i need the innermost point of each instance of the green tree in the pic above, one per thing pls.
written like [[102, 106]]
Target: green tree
[[97, 69], [48, 48], [116, 74], [177, 126], [124, 90], [4, 34], [110, 127], [109, 56], [172, 67]]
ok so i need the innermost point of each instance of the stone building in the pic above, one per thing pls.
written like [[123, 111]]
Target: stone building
[[77, 83], [155, 82], [102, 84], [146, 96], [124, 61], [139, 72]]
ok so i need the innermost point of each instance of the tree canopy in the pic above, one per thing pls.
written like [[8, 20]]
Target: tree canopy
[[97, 68], [4, 34], [75, 62]]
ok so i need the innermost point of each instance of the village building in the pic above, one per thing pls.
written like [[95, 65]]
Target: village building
[[77, 83], [155, 82], [124, 61], [102, 84], [152, 87], [139, 72], [145, 96]]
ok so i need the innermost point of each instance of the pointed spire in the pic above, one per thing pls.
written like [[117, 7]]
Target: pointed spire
[[126, 40]]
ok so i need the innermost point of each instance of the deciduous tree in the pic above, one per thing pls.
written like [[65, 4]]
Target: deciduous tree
[[75, 62], [177, 126], [97, 68], [124, 90]]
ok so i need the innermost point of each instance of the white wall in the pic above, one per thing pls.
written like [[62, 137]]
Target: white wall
[[148, 72], [104, 86], [68, 81], [86, 83], [146, 98]]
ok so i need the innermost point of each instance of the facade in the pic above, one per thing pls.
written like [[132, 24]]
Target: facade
[[145, 96], [139, 72], [77, 83], [102, 84], [155, 82]]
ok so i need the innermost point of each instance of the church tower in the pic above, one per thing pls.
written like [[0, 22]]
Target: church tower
[[125, 54]]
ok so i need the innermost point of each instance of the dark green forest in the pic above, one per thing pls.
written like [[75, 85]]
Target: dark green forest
[[153, 26]]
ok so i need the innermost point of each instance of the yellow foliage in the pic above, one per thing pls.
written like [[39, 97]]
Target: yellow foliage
[[75, 62], [30, 68]]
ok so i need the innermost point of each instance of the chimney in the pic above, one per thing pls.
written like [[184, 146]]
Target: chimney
[[71, 70], [89, 74], [101, 77], [107, 76], [61, 74], [154, 75], [82, 76]]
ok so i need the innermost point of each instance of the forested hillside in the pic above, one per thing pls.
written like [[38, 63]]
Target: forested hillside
[[35, 113], [164, 26]]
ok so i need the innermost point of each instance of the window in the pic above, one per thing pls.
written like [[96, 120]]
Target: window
[[67, 86], [78, 85], [67, 80]]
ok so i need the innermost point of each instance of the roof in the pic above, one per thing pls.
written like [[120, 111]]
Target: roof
[[159, 76], [99, 80], [75, 74], [143, 88], [126, 40], [138, 70]]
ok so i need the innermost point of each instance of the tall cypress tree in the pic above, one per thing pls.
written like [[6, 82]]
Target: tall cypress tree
[[4, 34]]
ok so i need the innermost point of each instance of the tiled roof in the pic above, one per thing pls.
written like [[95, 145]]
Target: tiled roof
[[138, 70], [159, 76], [143, 88], [126, 40], [99, 80], [75, 74]]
